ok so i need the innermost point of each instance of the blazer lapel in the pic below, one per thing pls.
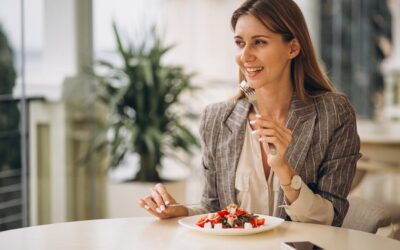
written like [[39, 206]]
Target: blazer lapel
[[301, 120], [233, 137]]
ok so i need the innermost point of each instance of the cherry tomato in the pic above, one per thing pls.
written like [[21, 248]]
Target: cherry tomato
[[216, 220], [222, 213], [202, 221], [260, 221], [253, 222], [240, 212]]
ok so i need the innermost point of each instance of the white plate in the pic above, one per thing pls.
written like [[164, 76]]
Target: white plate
[[270, 223]]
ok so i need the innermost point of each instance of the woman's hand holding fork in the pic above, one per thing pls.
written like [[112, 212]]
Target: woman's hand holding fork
[[159, 201], [272, 132]]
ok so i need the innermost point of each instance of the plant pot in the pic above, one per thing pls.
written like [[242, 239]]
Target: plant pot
[[122, 197]]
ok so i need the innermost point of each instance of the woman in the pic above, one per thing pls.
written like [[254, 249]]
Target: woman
[[312, 128]]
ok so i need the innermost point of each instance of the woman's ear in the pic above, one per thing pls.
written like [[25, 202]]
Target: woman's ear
[[294, 48]]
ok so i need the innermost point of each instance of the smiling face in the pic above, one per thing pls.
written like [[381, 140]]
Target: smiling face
[[262, 55]]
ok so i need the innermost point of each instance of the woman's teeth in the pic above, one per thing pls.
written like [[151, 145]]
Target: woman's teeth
[[253, 71]]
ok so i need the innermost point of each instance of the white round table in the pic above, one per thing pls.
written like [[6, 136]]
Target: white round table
[[152, 233]]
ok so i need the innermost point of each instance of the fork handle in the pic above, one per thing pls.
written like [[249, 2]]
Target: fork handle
[[256, 108], [186, 205], [254, 104]]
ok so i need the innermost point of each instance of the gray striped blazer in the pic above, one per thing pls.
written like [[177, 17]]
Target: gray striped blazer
[[324, 149]]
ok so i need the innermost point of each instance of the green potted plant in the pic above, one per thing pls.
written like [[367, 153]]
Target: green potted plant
[[143, 97], [10, 151]]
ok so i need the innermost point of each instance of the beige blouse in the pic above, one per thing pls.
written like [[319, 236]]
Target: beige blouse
[[255, 194]]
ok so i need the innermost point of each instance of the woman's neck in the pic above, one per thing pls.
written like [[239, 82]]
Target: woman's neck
[[273, 101]]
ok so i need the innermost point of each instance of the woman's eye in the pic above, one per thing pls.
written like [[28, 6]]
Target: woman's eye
[[259, 42], [239, 44]]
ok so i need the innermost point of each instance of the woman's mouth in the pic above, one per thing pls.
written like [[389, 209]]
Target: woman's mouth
[[253, 71]]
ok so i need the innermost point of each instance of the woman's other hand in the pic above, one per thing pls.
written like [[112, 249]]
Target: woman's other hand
[[156, 203]]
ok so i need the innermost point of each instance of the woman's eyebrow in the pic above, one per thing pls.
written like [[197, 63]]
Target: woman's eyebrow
[[253, 37], [260, 36]]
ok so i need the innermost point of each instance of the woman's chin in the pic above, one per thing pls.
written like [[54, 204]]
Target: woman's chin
[[255, 84]]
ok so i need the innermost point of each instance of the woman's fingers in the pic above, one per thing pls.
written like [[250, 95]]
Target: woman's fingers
[[273, 125], [271, 128], [267, 132], [284, 138], [158, 200], [271, 133], [161, 197], [167, 198], [143, 204], [148, 204], [269, 148], [275, 141], [156, 203]]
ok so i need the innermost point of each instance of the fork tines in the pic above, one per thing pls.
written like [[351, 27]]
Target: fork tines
[[246, 89], [250, 93]]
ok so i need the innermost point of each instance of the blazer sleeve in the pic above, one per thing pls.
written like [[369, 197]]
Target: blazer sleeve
[[208, 130], [338, 167]]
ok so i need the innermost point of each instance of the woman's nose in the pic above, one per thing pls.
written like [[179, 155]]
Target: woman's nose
[[247, 54]]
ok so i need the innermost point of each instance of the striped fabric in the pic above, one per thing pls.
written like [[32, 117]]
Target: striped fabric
[[324, 149]]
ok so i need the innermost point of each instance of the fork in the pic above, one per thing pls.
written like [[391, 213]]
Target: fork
[[186, 205], [250, 94]]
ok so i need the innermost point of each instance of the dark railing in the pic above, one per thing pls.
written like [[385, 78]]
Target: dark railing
[[13, 207]]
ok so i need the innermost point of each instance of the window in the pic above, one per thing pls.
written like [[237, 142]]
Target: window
[[351, 50]]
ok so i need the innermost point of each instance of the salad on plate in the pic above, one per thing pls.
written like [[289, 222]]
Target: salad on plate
[[230, 217]]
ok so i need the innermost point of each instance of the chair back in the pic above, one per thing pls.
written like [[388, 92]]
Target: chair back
[[365, 215]]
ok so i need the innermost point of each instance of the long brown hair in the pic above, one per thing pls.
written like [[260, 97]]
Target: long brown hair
[[285, 17]]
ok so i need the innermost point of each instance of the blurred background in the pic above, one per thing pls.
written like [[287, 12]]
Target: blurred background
[[81, 102]]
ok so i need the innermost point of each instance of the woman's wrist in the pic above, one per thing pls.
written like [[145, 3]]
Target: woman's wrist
[[285, 174], [182, 211]]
